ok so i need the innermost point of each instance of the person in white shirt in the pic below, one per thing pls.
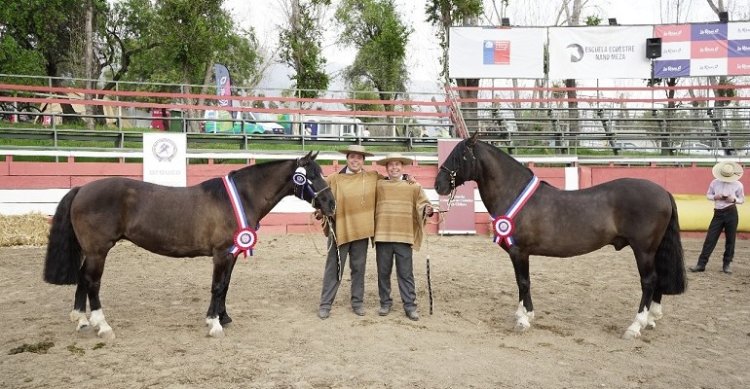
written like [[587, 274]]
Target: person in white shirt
[[726, 191]]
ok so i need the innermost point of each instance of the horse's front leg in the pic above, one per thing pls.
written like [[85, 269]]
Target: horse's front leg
[[525, 310], [648, 275], [223, 265]]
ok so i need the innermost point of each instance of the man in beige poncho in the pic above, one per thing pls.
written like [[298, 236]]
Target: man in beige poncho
[[399, 220], [354, 190]]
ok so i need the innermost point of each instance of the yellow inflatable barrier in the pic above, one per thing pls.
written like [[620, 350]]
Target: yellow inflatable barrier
[[696, 212]]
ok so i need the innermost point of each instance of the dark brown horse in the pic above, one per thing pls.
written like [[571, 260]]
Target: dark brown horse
[[176, 222], [558, 223]]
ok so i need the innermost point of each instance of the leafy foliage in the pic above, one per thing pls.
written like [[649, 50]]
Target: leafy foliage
[[301, 49], [380, 36]]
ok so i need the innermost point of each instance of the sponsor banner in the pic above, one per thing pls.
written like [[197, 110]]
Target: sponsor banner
[[715, 49], [738, 31], [599, 52], [675, 50], [164, 158], [480, 52], [672, 68], [460, 218], [739, 48], [223, 83], [739, 66]]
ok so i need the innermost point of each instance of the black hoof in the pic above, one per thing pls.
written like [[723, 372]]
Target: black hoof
[[224, 319]]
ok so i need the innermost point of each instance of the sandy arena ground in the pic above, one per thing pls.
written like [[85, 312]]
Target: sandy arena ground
[[156, 306]]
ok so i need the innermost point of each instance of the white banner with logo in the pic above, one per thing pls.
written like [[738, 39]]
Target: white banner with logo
[[490, 52], [164, 158], [599, 52]]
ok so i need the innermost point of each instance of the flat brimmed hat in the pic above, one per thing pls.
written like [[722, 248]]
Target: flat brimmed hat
[[356, 149], [727, 171], [395, 157]]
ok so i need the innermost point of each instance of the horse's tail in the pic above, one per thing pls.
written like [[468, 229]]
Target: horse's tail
[[670, 265], [63, 258]]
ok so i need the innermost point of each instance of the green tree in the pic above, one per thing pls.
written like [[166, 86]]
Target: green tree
[[444, 14], [301, 48], [376, 30]]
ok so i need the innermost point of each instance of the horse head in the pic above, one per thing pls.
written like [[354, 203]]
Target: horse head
[[312, 186], [459, 167]]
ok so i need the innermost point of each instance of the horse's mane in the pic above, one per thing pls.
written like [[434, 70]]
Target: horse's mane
[[504, 157], [215, 186]]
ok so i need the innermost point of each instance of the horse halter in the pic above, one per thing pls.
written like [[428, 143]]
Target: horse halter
[[453, 173], [303, 186]]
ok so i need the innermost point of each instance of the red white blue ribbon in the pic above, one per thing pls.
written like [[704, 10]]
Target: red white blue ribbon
[[245, 237], [503, 226]]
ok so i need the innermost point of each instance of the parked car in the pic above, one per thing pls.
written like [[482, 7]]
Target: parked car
[[697, 148], [224, 123]]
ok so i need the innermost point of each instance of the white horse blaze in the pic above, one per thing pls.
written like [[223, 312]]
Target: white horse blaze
[[215, 330]]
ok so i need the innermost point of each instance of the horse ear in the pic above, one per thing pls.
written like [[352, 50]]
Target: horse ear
[[473, 140], [313, 156], [307, 158]]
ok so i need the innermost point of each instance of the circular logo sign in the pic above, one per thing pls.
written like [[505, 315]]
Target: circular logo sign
[[164, 149]]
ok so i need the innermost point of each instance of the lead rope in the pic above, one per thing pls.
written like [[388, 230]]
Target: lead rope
[[427, 248]]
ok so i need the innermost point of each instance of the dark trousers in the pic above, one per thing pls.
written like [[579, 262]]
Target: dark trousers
[[357, 253], [385, 254], [724, 219]]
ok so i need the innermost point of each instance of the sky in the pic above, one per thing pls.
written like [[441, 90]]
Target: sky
[[423, 51]]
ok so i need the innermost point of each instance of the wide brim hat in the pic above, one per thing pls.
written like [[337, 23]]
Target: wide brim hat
[[357, 149], [395, 157], [727, 171]]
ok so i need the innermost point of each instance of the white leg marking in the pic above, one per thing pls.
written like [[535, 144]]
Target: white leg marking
[[215, 329], [654, 314], [523, 318], [634, 331], [80, 318], [98, 321]]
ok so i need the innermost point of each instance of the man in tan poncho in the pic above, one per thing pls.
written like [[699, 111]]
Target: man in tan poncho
[[354, 190], [399, 221]]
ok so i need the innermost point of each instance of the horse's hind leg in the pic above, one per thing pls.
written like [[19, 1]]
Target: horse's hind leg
[[78, 314], [525, 310], [648, 275], [655, 311], [94, 267]]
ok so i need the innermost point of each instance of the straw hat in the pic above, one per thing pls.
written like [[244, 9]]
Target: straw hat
[[395, 157], [356, 149], [727, 171]]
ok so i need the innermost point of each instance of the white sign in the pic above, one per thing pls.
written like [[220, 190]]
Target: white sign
[[491, 52], [599, 52], [164, 160]]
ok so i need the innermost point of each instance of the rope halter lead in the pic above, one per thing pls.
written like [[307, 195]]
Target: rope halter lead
[[304, 190]]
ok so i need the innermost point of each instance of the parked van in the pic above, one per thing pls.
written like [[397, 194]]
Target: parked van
[[246, 123]]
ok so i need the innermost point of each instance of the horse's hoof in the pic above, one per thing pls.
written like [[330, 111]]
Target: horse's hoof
[[83, 327], [225, 319], [630, 335], [522, 325], [216, 333], [651, 325], [107, 334]]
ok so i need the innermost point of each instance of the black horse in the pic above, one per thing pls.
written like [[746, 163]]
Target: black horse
[[558, 223], [178, 222]]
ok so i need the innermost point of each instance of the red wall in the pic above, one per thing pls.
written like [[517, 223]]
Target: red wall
[[44, 175]]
